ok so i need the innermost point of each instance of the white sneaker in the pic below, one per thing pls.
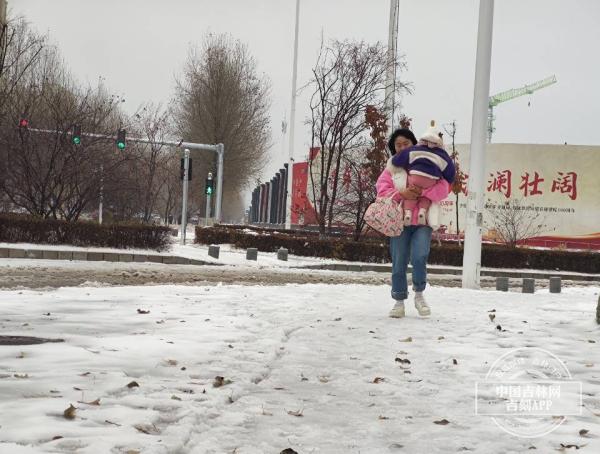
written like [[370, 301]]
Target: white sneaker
[[422, 216], [408, 217], [421, 305], [398, 309]]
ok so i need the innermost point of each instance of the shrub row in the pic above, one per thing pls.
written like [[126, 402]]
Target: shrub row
[[495, 256], [29, 229]]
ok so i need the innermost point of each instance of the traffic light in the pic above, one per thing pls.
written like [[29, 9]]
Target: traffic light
[[182, 169], [210, 186], [23, 123], [121, 139], [76, 136]]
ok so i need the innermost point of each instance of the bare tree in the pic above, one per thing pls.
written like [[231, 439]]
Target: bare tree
[[46, 174], [513, 222], [458, 186], [347, 77], [221, 98], [150, 167], [20, 49]]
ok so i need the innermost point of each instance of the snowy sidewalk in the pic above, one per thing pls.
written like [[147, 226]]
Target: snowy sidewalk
[[327, 353]]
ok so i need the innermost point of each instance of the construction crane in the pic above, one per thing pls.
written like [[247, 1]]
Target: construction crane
[[512, 94]]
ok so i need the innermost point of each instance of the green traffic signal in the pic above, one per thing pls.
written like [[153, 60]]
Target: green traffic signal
[[76, 136], [121, 139], [209, 190]]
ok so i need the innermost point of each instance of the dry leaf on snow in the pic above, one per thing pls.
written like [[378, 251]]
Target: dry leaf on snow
[[69, 413]]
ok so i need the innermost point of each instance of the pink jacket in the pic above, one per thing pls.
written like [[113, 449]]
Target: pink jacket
[[393, 179]]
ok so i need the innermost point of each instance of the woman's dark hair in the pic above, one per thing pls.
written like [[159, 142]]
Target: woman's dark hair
[[407, 133]]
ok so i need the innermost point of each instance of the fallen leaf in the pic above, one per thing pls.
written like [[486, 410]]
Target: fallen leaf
[[21, 355], [383, 417], [297, 413], [454, 361], [279, 388], [159, 322], [133, 384], [323, 379], [442, 422], [148, 429], [492, 317], [221, 381], [172, 362], [77, 389], [584, 432], [288, 451], [338, 319], [175, 398], [57, 437], [85, 374], [141, 311], [591, 341], [408, 339], [563, 446], [499, 328], [402, 360], [69, 413], [493, 310], [93, 402], [378, 379], [441, 337], [21, 376], [113, 423]]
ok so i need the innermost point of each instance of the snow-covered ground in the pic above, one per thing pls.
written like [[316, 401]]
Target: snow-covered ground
[[328, 353]]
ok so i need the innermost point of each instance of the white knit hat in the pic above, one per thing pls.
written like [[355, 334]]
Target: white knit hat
[[433, 135]]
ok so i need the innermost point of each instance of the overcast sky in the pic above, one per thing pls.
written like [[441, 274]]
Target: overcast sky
[[138, 46]]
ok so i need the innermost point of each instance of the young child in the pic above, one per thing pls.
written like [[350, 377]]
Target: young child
[[425, 163]]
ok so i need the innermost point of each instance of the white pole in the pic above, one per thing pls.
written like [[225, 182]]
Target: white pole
[[288, 204], [186, 169], [476, 184], [390, 80], [207, 216], [219, 199], [100, 208]]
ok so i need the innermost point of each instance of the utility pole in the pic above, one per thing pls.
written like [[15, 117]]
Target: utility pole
[[208, 191], [476, 185], [186, 169], [290, 170], [390, 79], [101, 208], [3, 8]]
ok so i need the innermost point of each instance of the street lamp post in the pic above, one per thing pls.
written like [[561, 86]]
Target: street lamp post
[[476, 188]]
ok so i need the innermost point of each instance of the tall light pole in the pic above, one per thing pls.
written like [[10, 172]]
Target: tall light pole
[[390, 79], [476, 188], [290, 170]]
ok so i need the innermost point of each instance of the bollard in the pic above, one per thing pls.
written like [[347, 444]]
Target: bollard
[[528, 285], [213, 251], [252, 253], [502, 284], [282, 254], [554, 284]]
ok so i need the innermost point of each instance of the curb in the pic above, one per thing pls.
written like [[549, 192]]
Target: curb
[[123, 257], [458, 271]]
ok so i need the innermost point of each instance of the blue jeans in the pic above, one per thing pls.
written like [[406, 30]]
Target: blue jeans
[[413, 244]]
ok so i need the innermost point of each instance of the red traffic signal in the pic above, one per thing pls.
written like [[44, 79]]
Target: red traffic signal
[[23, 123]]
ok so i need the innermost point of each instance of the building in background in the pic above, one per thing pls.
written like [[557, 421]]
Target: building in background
[[559, 183]]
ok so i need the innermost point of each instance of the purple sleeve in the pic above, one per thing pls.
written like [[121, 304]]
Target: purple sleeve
[[450, 171], [401, 159]]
